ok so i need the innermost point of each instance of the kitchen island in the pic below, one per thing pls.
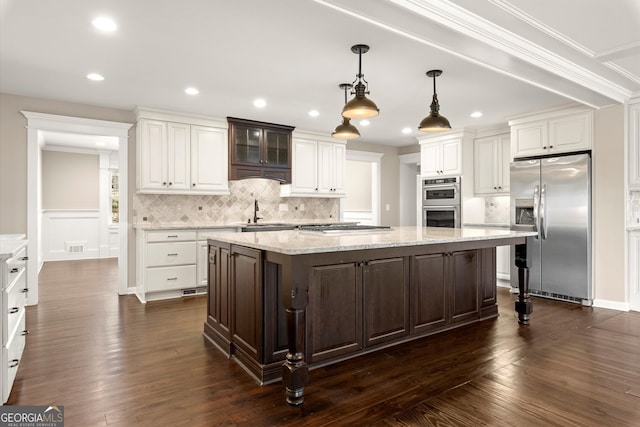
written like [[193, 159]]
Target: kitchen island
[[282, 302]]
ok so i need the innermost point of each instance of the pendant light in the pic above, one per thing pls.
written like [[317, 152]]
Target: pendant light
[[360, 107], [345, 130], [434, 122]]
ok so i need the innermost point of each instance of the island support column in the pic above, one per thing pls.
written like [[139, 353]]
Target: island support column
[[524, 307], [295, 372]]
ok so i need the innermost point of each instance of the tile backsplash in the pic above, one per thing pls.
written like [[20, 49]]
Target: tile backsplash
[[496, 210], [234, 208]]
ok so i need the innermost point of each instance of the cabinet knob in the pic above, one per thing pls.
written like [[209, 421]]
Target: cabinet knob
[[14, 310], [164, 183], [544, 147], [24, 258], [495, 188], [193, 185], [316, 189], [14, 270], [499, 188], [550, 147], [25, 332], [14, 363], [25, 290], [171, 183]]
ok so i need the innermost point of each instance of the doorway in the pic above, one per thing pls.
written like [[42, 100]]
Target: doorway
[[37, 125], [362, 203]]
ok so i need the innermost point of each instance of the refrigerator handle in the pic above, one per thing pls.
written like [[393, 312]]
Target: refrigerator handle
[[543, 213], [536, 208]]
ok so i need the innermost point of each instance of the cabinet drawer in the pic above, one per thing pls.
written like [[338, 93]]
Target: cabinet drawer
[[12, 355], [167, 254], [169, 278], [14, 300], [171, 235], [15, 265]]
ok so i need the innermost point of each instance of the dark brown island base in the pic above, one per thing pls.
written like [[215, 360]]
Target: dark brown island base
[[282, 302]]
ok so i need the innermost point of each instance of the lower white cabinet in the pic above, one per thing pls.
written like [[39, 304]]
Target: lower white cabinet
[[13, 318], [171, 263]]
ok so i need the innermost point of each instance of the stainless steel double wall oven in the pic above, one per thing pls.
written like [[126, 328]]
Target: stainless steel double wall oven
[[441, 202]]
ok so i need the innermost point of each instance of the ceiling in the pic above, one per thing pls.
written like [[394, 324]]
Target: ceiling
[[503, 58]]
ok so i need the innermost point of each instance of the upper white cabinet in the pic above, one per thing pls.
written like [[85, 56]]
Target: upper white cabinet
[[558, 131], [181, 155], [318, 167], [441, 156], [634, 144], [491, 161]]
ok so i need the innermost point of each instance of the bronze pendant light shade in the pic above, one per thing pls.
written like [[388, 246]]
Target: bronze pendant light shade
[[345, 130], [360, 107], [434, 122]]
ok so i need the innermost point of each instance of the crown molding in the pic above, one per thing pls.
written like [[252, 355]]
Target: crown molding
[[473, 26]]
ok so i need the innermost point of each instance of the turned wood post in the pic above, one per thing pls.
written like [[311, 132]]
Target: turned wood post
[[295, 372], [524, 307]]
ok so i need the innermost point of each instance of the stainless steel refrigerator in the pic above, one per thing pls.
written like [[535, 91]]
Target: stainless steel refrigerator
[[552, 195]]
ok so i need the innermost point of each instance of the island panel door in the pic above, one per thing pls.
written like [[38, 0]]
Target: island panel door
[[386, 300], [428, 293], [464, 281], [247, 300], [334, 314]]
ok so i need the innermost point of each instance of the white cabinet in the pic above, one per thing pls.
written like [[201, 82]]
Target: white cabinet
[[166, 263], [634, 144], [318, 168], [172, 263], [491, 162], [13, 314], [180, 157], [440, 157], [209, 162], [555, 132]]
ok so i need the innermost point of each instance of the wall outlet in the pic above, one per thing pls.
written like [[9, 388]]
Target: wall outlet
[[283, 207]]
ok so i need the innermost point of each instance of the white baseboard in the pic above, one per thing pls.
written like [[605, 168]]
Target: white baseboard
[[613, 305]]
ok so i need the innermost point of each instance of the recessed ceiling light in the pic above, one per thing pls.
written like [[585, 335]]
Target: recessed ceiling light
[[191, 91], [95, 77], [364, 122], [105, 24], [259, 103], [314, 113], [407, 130], [476, 114]]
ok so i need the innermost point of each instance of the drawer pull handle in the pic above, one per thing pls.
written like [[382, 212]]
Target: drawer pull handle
[[172, 278], [14, 363], [24, 258], [172, 254], [25, 332], [14, 310], [25, 290], [175, 236], [14, 270]]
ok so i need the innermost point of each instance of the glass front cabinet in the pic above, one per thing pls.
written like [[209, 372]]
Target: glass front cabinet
[[259, 150]]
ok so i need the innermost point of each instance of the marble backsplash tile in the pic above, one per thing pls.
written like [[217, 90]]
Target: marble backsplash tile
[[496, 210], [234, 208]]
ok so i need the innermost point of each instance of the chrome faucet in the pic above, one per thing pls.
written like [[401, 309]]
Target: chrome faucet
[[255, 211]]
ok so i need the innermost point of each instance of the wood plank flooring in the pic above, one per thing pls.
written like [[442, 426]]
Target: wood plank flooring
[[112, 361]]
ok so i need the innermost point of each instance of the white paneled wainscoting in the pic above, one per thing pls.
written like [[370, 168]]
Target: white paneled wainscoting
[[77, 234]]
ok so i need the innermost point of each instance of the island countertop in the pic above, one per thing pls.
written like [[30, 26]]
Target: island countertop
[[298, 242]]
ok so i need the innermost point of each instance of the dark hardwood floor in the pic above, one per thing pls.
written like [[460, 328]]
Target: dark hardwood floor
[[113, 361]]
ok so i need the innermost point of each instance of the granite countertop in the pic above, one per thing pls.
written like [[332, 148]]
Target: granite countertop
[[296, 242], [487, 225], [198, 226], [10, 248]]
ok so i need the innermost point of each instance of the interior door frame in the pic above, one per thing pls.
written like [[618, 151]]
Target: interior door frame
[[375, 159], [38, 122]]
